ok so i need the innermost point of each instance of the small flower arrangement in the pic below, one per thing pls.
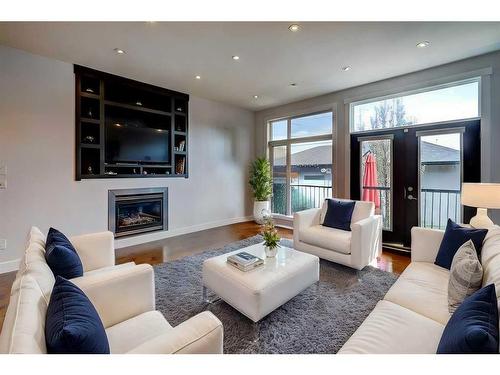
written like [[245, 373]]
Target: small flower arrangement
[[271, 237]]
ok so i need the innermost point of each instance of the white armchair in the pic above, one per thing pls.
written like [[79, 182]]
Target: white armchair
[[355, 249]]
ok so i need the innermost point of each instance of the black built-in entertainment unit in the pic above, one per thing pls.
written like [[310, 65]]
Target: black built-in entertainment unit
[[126, 128]]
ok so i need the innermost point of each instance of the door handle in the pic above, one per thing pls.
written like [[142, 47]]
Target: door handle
[[410, 197]]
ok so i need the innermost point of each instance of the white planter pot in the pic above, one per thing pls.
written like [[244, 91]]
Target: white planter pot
[[260, 210], [271, 253]]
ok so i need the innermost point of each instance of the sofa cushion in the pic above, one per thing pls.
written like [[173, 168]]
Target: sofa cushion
[[466, 275], [36, 236], [131, 333], [454, 237], [423, 288], [23, 327], [392, 329], [61, 256], [72, 323], [473, 328], [327, 238], [34, 263], [339, 214], [490, 258]]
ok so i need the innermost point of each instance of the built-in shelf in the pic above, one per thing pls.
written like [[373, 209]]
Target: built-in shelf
[[136, 108], [91, 120], [89, 95], [104, 100]]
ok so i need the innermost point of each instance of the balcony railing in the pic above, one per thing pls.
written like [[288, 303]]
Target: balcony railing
[[437, 205], [384, 193], [302, 196]]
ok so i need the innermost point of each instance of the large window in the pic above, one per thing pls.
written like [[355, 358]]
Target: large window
[[444, 103], [300, 150]]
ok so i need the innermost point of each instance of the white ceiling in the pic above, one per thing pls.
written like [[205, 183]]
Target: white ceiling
[[171, 54]]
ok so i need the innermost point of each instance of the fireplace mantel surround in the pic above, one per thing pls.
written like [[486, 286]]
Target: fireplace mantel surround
[[137, 211]]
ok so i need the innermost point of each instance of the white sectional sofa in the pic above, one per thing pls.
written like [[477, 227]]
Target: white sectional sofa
[[414, 312], [355, 249], [124, 297]]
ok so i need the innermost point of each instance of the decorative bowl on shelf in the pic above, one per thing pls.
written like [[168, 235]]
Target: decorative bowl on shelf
[[89, 139]]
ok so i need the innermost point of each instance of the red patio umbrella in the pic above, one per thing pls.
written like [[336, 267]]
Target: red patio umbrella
[[370, 180]]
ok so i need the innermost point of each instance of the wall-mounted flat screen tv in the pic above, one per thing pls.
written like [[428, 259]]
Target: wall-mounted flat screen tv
[[133, 144]]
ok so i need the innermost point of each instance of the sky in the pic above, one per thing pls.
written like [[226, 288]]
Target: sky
[[321, 123]]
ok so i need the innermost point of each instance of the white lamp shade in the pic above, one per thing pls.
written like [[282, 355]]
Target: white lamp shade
[[481, 195]]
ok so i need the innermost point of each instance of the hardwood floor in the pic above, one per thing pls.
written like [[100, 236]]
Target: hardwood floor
[[177, 247]]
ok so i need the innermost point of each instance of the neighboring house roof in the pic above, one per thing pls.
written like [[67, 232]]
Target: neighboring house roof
[[437, 154], [431, 154], [312, 156]]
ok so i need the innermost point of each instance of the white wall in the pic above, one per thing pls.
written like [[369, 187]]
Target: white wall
[[37, 143], [487, 66]]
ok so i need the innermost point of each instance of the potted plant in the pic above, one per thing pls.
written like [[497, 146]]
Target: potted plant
[[271, 237], [262, 186]]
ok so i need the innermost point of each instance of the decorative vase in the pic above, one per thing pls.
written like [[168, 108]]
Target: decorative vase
[[271, 251], [261, 209]]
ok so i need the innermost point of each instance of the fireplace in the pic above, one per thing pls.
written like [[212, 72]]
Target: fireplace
[[136, 211]]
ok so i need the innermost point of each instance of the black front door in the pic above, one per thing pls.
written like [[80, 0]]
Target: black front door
[[414, 175]]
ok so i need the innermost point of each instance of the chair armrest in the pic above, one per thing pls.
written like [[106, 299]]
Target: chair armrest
[[366, 241], [305, 219], [120, 294], [96, 250], [202, 334], [425, 244]]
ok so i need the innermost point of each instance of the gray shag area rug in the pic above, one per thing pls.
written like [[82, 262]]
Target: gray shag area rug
[[318, 320]]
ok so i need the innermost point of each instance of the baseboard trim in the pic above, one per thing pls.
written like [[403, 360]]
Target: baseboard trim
[[141, 239], [9, 266]]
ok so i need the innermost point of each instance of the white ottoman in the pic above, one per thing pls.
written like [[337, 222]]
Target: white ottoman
[[258, 292]]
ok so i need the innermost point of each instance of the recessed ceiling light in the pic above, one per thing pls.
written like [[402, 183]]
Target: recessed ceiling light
[[198, 77], [119, 51], [293, 84], [423, 44], [346, 68], [236, 57], [294, 27], [256, 96]]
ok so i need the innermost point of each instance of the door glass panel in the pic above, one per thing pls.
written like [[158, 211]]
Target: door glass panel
[[279, 200], [311, 174], [376, 177], [440, 168]]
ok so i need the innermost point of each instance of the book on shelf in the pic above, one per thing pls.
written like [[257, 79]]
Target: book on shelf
[[244, 261], [180, 165], [182, 144]]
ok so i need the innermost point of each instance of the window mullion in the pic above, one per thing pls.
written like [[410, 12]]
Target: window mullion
[[288, 169]]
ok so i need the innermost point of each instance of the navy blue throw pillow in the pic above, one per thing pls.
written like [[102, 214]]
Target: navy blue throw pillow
[[454, 237], [61, 256], [72, 325], [339, 214], [473, 327]]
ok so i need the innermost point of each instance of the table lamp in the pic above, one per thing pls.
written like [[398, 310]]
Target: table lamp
[[482, 196]]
